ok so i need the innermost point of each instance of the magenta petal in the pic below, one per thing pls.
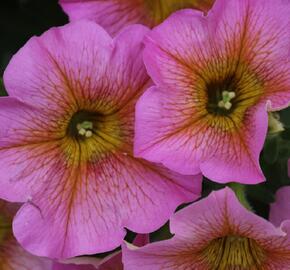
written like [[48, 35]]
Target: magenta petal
[[154, 120], [18, 177], [238, 160], [81, 47]]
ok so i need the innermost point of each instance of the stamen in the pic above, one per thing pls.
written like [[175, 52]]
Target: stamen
[[233, 252], [85, 129], [225, 103]]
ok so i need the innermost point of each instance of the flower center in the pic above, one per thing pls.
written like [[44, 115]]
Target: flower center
[[233, 252], [85, 129], [83, 124], [225, 102], [222, 96], [159, 10], [90, 136]]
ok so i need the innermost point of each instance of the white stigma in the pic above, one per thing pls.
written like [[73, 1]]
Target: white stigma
[[225, 103], [85, 129]]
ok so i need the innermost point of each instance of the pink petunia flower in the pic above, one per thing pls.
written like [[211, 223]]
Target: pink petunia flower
[[114, 15], [12, 255], [280, 209], [215, 233], [215, 78], [67, 141]]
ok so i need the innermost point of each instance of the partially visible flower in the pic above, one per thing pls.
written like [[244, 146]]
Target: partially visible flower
[[280, 209], [114, 15], [215, 233], [12, 255], [66, 146], [216, 77]]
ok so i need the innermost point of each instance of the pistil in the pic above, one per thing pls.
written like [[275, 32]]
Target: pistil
[[85, 129], [225, 103]]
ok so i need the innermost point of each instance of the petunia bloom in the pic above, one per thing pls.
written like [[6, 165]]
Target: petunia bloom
[[215, 77], [280, 209], [215, 233], [12, 255], [66, 146], [114, 15]]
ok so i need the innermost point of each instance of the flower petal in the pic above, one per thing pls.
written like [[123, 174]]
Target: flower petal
[[68, 73], [239, 45], [114, 15], [260, 29], [25, 138], [172, 127], [87, 215], [13, 257], [280, 209]]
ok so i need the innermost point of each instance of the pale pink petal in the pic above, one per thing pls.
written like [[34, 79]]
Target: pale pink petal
[[280, 209]]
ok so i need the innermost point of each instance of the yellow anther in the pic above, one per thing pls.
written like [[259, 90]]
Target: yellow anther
[[89, 134], [85, 129], [225, 103]]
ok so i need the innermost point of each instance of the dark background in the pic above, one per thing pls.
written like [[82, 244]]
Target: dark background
[[22, 19]]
